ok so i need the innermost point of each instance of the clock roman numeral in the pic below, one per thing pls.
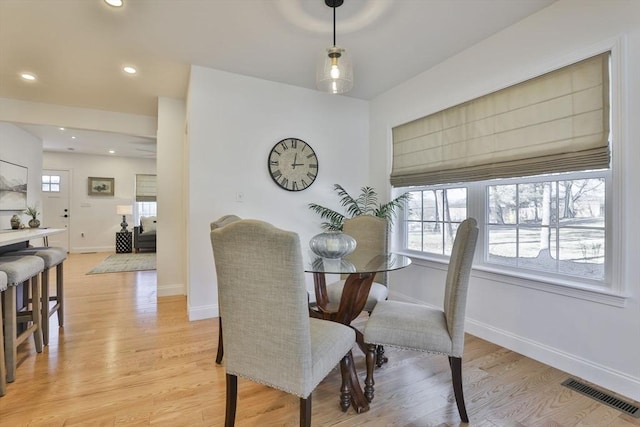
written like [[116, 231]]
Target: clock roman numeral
[[311, 176], [284, 182], [276, 174], [294, 143], [284, 145], [273, 163], [304, 183], [313, 166], [294, 186]]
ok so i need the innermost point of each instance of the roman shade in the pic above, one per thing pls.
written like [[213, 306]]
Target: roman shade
[[145, 188], [557, 122]]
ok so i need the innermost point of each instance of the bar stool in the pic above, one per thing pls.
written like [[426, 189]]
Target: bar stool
[[20, 269], [3, 367], [52, 257]]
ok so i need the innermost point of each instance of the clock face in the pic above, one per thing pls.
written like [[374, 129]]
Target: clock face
[[293, 164]]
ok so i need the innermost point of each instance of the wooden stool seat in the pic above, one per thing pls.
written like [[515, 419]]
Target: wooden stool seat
[[52, 257], [20, 269]]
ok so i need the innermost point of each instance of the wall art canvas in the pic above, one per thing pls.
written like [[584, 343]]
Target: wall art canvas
[[13, 187], [101, 186]]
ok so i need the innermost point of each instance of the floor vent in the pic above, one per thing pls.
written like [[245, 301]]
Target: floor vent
[[601, 397]]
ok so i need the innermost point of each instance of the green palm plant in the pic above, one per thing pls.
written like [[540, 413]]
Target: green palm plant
[[365, 204]]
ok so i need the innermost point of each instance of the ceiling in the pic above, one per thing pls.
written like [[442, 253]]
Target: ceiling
[[77, 48]]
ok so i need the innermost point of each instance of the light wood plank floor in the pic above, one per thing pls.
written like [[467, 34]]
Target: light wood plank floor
[[124, 358]]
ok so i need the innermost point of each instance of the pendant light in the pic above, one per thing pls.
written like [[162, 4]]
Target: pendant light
[[335, 71]]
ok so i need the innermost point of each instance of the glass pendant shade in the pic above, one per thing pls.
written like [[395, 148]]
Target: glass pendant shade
[[332, 244], [335, 71]]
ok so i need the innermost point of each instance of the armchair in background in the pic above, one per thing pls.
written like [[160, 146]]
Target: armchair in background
[[144, 235]]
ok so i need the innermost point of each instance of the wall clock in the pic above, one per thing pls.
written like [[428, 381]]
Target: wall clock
[[293, 164]]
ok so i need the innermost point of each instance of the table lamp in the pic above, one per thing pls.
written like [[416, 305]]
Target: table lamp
[[124, 210]]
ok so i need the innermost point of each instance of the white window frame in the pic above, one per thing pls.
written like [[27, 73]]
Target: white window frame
[[612, 290]]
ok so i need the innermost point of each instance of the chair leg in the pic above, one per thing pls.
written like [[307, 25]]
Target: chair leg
[[60, 293], [220, 354], [456, 376], [3, 366], [45, 306], [369, 382], [381, 359], [232, 399], [305, 412], [36, 312], [10, 330]]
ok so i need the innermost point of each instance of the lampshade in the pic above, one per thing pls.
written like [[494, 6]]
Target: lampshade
[[124, 210], [335, 70]]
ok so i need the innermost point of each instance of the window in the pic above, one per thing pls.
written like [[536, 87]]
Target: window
[[51, 183], [146, 204], [554, 225], [533, 165], [433, 216]]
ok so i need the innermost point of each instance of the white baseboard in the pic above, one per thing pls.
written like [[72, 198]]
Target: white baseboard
[[171, 290], [203, 312], [88, 249], [603, 376]]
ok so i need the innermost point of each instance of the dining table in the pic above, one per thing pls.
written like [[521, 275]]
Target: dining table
[[360, 269]]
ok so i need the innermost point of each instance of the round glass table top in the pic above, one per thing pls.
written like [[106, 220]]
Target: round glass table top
[[356, 263]]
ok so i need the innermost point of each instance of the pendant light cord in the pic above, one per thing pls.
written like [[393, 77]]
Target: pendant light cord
[[334, 26]]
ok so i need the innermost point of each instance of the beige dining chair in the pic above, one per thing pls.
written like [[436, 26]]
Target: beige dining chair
[[3, 366], [370, 233], [221, 222], [269, 336], [418, 327]]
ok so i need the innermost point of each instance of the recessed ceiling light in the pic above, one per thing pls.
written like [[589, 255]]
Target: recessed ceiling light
[[28, 76], [61, 128], [130, 70], [114, 3], [73, 137], [112, 152]]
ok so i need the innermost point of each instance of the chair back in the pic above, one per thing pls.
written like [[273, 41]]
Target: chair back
[[371, 234], [457, 283], [263, 301], [224, 220]]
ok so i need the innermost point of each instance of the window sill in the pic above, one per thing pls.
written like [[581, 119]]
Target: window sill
[[560, 287]]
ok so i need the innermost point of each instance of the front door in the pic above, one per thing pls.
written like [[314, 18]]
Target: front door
[[55, 205]]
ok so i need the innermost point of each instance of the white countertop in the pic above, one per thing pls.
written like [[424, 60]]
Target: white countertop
[[9, 237]]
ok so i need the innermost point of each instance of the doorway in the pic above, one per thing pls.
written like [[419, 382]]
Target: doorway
[[55, 204]]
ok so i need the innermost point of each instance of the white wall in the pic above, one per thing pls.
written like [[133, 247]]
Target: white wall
[[233, 123], [171, 249], [21, 148], [592, 340], [95, 216]]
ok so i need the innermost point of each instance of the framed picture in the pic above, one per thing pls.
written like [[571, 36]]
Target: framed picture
[[13, 187], [101, 186]]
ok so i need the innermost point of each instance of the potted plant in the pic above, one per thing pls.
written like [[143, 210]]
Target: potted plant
[[365, 204], [32, 211]]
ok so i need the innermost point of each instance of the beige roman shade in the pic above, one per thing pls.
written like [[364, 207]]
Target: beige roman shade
[[145, 188], [557, 122]]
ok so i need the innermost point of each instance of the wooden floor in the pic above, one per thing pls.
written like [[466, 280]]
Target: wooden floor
[[124, 358]]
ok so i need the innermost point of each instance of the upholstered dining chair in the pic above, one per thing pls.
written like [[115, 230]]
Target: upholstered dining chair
[[3, 367], [418, 327], [269, 336], [221, 222], [370, 233]]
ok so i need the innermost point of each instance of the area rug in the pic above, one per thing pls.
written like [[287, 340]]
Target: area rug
[[126, 262]]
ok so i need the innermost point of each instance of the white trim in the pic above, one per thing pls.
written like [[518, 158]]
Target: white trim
[[601, 375], [571, 289], [203, 312], [171, 290]]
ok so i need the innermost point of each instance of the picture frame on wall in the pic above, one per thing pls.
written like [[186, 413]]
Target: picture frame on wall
[[13, 186], [101, 186]]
